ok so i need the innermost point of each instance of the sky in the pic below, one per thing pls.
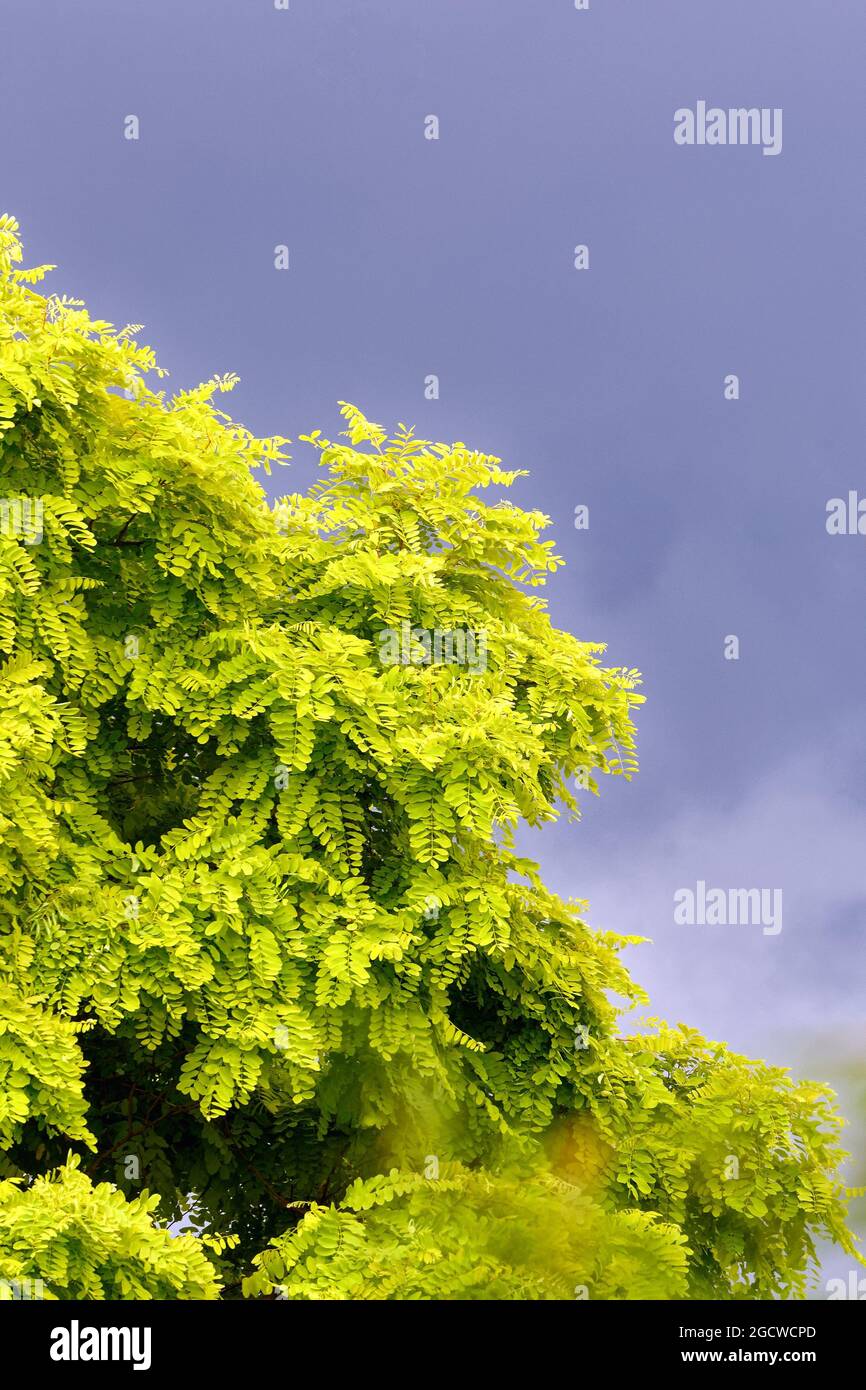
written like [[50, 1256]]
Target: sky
[[411, 257]]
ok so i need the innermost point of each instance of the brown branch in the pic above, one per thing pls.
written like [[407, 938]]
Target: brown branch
[[124, 528], [136, 1133], [251, 1168]]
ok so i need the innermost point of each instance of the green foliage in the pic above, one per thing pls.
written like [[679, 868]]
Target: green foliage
[[90, 1242], [264, 933], [472, 1236]]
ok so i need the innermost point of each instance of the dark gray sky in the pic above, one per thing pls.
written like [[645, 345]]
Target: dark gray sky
[[411, 256]]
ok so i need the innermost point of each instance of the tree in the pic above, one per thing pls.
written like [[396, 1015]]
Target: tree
[[267, 951]]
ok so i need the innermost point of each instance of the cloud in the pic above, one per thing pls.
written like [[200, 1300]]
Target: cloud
[[798, 829]]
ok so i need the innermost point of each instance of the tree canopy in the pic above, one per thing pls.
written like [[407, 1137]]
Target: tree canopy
[[269, 958]]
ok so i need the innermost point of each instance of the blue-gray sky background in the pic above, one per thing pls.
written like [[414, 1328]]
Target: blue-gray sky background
[[455, 257]]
